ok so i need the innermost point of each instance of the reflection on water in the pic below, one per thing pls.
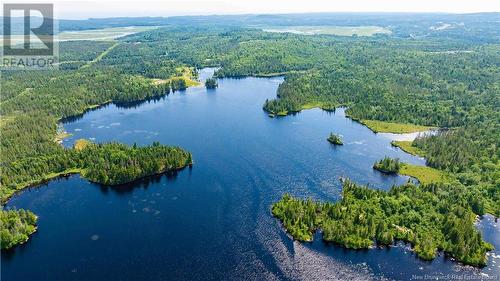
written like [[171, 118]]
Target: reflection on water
[[213, 221]]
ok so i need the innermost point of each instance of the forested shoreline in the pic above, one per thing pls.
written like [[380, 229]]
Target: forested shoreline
[[108, 164], [32, 104], [415, 82], [29, 151], [17, 226], [364, 217]]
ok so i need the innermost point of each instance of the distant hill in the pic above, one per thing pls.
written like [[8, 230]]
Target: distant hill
[[481, 27]]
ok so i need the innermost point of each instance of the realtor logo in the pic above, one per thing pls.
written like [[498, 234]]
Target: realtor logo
[[28, 37]]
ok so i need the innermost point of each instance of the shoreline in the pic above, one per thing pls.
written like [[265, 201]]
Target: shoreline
[[407, 147], [60, 122], [31, 184], [376, 126], [75, 171]]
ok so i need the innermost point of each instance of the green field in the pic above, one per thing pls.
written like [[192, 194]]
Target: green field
[[331, 30], [92, 34], [425, 174], [407, 147], [395, 128], [102, 34]]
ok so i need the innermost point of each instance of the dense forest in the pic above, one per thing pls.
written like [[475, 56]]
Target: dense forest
[[115, 163], [448, 79], [16, 226], [430, 217], [477, 27], [400, 86], [470, 154], [109, 164]]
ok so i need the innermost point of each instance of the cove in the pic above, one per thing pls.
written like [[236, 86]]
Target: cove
[[213, 221]]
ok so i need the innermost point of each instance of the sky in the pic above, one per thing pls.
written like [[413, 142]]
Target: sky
[[78, 9]]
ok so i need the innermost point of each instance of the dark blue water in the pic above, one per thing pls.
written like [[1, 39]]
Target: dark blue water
[[213, 221]]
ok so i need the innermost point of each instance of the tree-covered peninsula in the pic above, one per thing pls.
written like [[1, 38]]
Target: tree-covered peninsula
[[109, 164], [15, 227], [115, 163], [364, 217], [388, 165]]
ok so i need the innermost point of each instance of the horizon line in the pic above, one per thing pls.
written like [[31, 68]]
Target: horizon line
[[270, 14]]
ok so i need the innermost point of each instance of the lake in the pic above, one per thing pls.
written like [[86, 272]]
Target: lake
[[213, 221]]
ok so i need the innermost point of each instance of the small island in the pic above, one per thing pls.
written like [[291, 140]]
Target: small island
[[388, 165], [211, 83], [335, 139]]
